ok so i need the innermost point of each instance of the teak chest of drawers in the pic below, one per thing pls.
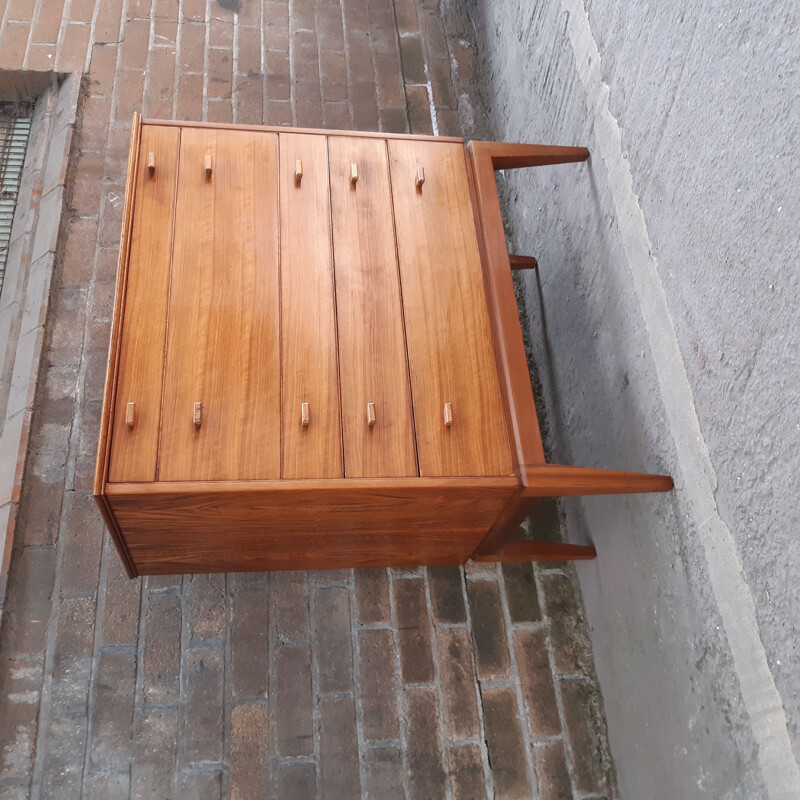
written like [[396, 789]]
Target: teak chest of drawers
[[316, 359]]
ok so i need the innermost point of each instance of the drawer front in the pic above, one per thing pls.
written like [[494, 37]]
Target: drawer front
[[458, 413], [134, 439], [376, 400], [223, 337], [312, 434]]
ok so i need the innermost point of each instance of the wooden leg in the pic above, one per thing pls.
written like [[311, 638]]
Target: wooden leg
[[506, 155], [552, 480], [529, 550], [522, 262]]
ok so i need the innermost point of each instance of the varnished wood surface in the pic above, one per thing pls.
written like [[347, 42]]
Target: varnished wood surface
[[309, 367], [515, 155], [110, 388], [141, 358], [282, 129], [224, 312], [449, 336], [509, 348], [554, 480], [529, 550], [372, 350], [306, 524]]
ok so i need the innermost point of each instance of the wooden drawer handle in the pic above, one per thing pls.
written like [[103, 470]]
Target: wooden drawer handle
[[371, 415], [130, 411], [208, 166], [353, 174], [420, 177], [305, 417], [448, 414], [197, 414], [298, 171], [151, 164]]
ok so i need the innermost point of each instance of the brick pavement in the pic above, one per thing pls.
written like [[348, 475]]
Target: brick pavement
[[445, 682]]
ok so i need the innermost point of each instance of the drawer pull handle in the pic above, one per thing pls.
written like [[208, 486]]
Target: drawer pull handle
[[305, 417], [197, 414], [151, 163], [353, 174], [208, 166], [371, 415], [298, 170], [420, 177], [130, 411], [448, 414]]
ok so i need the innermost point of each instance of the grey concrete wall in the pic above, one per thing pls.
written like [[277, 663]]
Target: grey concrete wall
[[664, 325]]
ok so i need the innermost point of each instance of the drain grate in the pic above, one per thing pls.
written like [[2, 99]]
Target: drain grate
[[15, 128]]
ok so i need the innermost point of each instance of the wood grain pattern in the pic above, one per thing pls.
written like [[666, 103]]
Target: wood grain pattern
[[509, 347], [308, 327], [554, 480], [134, 448], [372, 351], [450, 341], [305, 524], [529, 550], [112, 365], [224, 312]]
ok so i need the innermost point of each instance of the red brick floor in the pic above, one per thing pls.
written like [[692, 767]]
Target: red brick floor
[[384, 684]]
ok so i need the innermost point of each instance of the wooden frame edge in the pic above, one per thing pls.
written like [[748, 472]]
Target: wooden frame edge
[[116, 535], [112, 364]]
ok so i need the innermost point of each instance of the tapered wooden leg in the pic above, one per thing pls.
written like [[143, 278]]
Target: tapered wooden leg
[[507, 155], [522, 262], [529, 550], [552, 480]]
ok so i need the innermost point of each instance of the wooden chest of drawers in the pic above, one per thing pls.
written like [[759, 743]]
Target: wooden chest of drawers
[[313, 363]]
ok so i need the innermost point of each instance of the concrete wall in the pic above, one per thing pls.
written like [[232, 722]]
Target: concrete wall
[[664, 325]]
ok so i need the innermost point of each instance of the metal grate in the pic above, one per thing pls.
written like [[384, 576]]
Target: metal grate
[[15, 128]]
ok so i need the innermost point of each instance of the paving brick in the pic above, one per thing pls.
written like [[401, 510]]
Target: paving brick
[[276, 27], [135, 43], [220, 33], [505, 743], [249, 645], [40, 503], [359, 56], [583, 722], [336, 116], [155, 749], [289, 592], [433, 36], [412, 59], [550, 768], [278, 112], [441, 77], [194, 10], [304, 15], [333, 76], [45, 26], [294, 734], [199, 785], [419, 110], [426, 776], [162, 649], [249, 62], [413, 631], [330, 28], [383, 774], [278, 75], [465, 765], [192, 47], [107, 787], [377, 691], [112, 716], [249, 751], [355, 15], [80, 564], [107, 25], [394, 120], [205, 606], [334, 641], [165, 31], [72, 656], [203, 724], [249, 101], [569, 634], [79, 252], [447, 596], [190, 97], [521, 595], [338, 749], [140, 9], [536, 679], [382, 33], [130, 90], [305, 56], [457, 678], [389, 81], [488, 629], [372, 595], [41, 57], [19, 710], [298, 781], [365, 106], [161, 70], [308, 104], [406, 14], [62, 770], [220, 74]]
